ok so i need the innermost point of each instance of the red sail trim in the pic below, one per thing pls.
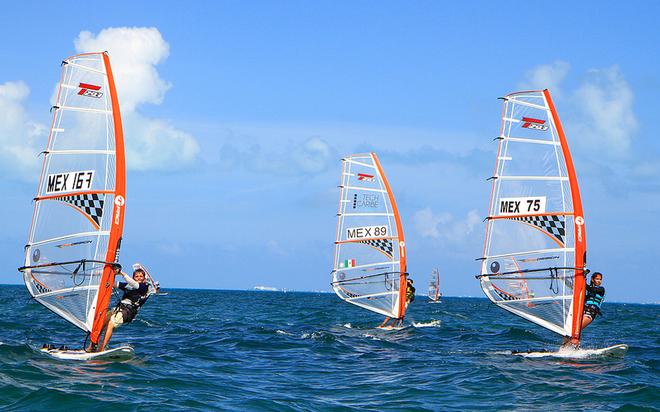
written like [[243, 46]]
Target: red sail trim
[[82, 212], [341, 242], [401, 245], [530, 215], [580, 233], [545, 232], [66, 194], [117, 218]]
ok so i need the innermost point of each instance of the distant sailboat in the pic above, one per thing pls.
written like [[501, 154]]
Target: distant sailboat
[[75, 235], [535, 250], [434, 287], [370, 252]]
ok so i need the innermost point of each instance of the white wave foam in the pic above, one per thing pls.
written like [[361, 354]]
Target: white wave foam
[[282, 332], [431, 324], [348, 325]]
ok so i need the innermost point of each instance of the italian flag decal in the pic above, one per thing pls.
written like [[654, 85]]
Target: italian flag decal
[[347, 264]]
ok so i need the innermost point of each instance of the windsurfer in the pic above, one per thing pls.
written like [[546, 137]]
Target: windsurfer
[[595, 295], [410, 296], [136, 293]]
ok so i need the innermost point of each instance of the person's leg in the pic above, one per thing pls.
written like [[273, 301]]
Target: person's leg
[[108, 335], [387, 319], [586, 320]]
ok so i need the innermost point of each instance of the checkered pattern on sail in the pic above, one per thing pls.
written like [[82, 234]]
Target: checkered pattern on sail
[[552, 224], [41, 287], [504, 295], [384, 245], [91, 204]]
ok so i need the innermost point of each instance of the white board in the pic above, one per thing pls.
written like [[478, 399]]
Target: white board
[[115, 354]]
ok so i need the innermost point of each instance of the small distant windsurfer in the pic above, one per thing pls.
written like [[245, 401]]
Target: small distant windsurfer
[[594, 297], [410, 296], [136, 293]]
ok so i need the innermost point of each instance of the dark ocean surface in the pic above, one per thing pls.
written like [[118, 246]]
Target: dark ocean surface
[[238, 350]]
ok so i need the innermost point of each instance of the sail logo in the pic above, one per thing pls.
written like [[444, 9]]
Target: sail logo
[[90, 90], [579, 222], [365, 232], [522, 205], [365, 201], [365, 177], [345, 264], [119, 202], [532, 123], [67, 182]]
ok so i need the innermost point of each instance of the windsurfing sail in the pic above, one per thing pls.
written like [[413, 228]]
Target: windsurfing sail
[[434, 286], [75, 235], [535, 249], [370, 252]]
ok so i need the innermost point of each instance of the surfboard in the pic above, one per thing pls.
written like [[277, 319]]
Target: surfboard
[[119, 353], [614, 351]]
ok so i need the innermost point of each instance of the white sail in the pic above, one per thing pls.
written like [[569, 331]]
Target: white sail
[[79, 208], [535, 245], [434, 286], [370, 260]]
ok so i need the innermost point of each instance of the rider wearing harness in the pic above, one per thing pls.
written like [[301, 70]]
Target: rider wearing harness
[[595, 295], [136, 293]]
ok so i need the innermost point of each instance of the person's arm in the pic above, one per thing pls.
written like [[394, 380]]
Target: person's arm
[[131, 283]]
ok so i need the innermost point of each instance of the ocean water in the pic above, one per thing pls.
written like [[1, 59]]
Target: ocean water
[[244, 350]]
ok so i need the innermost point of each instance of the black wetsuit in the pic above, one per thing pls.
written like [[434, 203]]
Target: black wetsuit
[[132, 300], [595, 296]]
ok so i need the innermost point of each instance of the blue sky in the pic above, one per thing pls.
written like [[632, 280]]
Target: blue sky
[[237, 114]]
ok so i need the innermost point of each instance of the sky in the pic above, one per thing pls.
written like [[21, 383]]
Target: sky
[[236, 116]]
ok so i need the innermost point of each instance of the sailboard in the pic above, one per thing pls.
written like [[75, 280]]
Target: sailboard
[[76, 230], [370, 251], [534, 258], [119, 353], [434, 287]]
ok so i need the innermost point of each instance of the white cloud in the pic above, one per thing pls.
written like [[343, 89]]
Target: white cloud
[[605, 118], [134, 53], [546, 76], [151, 144], [444, 226], [18, 134], [314, 155]]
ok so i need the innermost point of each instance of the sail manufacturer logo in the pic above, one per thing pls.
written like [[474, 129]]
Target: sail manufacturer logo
[[366, 232], [365, 177], [67, 182], [532, 123], [119, 202], [579, 222], [90, 90]]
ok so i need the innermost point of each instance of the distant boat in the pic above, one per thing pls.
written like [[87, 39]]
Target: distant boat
[[266, 288], [534, 257], [370, 253], [434, 287]]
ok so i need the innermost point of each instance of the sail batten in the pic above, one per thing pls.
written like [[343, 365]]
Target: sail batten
[[370, 261], [533, 260], [77, 223]]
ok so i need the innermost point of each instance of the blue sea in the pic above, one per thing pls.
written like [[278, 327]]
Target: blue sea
[[245, 350]]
